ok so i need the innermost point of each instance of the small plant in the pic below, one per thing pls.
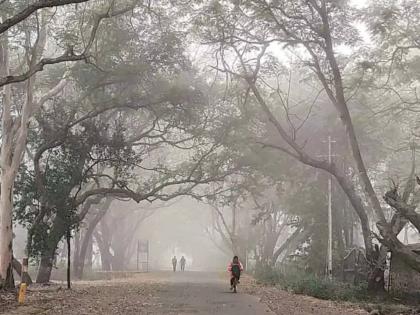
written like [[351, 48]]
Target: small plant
[[268, 276]]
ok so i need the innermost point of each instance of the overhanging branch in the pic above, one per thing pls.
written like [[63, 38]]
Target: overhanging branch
[[69, 54], [25, 13]]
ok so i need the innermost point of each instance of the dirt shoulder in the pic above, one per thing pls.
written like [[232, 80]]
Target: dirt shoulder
[[283, 302], [120, 296]]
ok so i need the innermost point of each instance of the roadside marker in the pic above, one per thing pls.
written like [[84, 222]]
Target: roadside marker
[[23, 285]]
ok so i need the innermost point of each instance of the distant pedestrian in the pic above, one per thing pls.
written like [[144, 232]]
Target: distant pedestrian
[[174, 262], [183, 261]]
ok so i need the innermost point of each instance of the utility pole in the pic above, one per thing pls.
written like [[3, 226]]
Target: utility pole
[[329, 266], [329, 271]]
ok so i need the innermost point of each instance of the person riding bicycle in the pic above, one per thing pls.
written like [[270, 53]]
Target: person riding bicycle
[[235, 268]]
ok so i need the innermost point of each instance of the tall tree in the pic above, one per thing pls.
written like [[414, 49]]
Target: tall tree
[[18, 111], [247, 33]]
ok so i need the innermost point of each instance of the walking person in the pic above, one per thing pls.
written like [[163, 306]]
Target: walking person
[[183, 262], [174, 262]]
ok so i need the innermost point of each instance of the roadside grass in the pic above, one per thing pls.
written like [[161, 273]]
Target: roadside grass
[[309, 284], [325, 289]]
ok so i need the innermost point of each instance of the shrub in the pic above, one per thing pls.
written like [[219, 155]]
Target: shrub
[[312, 285]]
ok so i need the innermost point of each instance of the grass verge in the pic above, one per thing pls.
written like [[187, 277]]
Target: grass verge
[[325, 289]]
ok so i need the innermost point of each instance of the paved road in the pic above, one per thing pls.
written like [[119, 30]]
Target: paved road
[[153, 293], [205, 293]]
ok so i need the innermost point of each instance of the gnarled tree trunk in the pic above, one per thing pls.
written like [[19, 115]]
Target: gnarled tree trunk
[[87, 243], [106, 257], [45, 268]]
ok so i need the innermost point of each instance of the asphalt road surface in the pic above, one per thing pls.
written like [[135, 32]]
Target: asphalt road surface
[[153, 293], [205, 293]]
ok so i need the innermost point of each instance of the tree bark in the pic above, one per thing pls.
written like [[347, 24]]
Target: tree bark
[[87, 240], [76, 250], [298, 235], [8, 173], [56, 234], [89, 255], [119, 261], [106, 257], [6, 234], [45, 268]]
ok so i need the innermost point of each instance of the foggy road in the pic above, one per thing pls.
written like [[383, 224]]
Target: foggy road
[[205, 293], [153, 293], [177, 293], [136, 135]]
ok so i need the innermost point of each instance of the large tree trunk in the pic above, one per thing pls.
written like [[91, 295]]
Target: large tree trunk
[[8, 167], [106, 257], [89, 255], [337, 96], [86, 245], [13, 143], [269, 244], [293, 240], [348, 222], [123, 250], [76, 250], [78, 260], [55, 235], [119, 261], [6, 234], [45, 268], [376, 277]]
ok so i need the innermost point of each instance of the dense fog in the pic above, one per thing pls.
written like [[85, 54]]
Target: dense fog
[[136, 132]]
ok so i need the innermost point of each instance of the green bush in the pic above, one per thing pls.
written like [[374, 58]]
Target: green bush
[[312, 285], [268, 276]]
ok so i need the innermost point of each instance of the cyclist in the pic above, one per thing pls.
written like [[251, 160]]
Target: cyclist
[[235, 268]]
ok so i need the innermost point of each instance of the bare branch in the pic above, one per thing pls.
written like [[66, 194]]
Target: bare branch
[[25, 13], [69, 54]]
